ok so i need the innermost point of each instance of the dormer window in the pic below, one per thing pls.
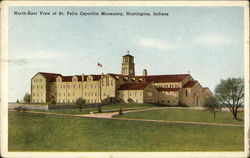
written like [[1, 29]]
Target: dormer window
[[74, 78], [59, 79], [90, 78]]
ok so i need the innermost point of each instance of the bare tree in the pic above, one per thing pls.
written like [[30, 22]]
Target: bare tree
[[230, 93]]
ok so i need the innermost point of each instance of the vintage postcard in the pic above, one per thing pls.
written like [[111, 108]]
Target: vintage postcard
[[124, 79]]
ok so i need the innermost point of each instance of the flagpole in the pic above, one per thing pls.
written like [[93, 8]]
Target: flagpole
[[97, 68]]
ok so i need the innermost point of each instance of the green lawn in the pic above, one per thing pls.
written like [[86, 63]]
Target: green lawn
[[185, 115], [105, 108], [36, 132]]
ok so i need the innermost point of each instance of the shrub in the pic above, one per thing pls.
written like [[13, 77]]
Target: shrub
[[21, 109], [52, 101]]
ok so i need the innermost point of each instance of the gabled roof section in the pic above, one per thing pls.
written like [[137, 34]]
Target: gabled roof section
[[134, 86], [165, 78], [205, 88], [190, 84], [50, 76], [168, 89]]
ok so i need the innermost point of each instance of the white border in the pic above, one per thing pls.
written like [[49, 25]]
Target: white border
[[4, 78]]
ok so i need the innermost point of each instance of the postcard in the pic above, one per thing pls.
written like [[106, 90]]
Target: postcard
[[124, 79]]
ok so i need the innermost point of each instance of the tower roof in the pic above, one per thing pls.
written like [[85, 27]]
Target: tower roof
[[128, 55]]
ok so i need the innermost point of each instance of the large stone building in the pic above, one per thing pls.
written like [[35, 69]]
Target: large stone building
[[177, 89]]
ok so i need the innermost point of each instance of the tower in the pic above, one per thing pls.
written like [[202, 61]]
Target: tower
[[128, 65]]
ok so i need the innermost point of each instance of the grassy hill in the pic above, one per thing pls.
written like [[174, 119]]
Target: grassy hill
[[36, 132]]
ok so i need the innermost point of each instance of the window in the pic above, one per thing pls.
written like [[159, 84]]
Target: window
[[107, 81], [149, 94], [74, 86], [186, 93], [68, 94], [79, 86], [111, 82], [59, 94], [37, 87], [73, 94]]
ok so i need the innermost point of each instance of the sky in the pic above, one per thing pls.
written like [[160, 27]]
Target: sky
[[207, 42]]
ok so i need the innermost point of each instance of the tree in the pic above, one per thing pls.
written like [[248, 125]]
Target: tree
[[99, 109], [26, 98], [80, 102], [211, 104], [120, 111], [230, 93]]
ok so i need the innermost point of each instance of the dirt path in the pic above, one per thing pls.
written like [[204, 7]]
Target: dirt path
[[109, 116]]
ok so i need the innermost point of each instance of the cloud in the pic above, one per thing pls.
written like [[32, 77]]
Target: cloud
[[212, 39], [153, 43], [44, 55], [17, 61]]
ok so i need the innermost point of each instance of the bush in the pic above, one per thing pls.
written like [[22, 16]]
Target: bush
[[21, 109], [52, 101]]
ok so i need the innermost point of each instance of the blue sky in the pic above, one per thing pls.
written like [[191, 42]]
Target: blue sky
[[207, 41]]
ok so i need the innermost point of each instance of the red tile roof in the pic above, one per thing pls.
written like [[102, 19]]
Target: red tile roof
[[190, 84], [165, 78], [50, 76], [134, 86], [96, 77], [168, 89], [67, 78], [158, 78]]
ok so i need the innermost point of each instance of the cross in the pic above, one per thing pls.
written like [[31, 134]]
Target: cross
[[128, 52]]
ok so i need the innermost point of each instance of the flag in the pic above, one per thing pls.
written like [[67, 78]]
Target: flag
[[98, 64]]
